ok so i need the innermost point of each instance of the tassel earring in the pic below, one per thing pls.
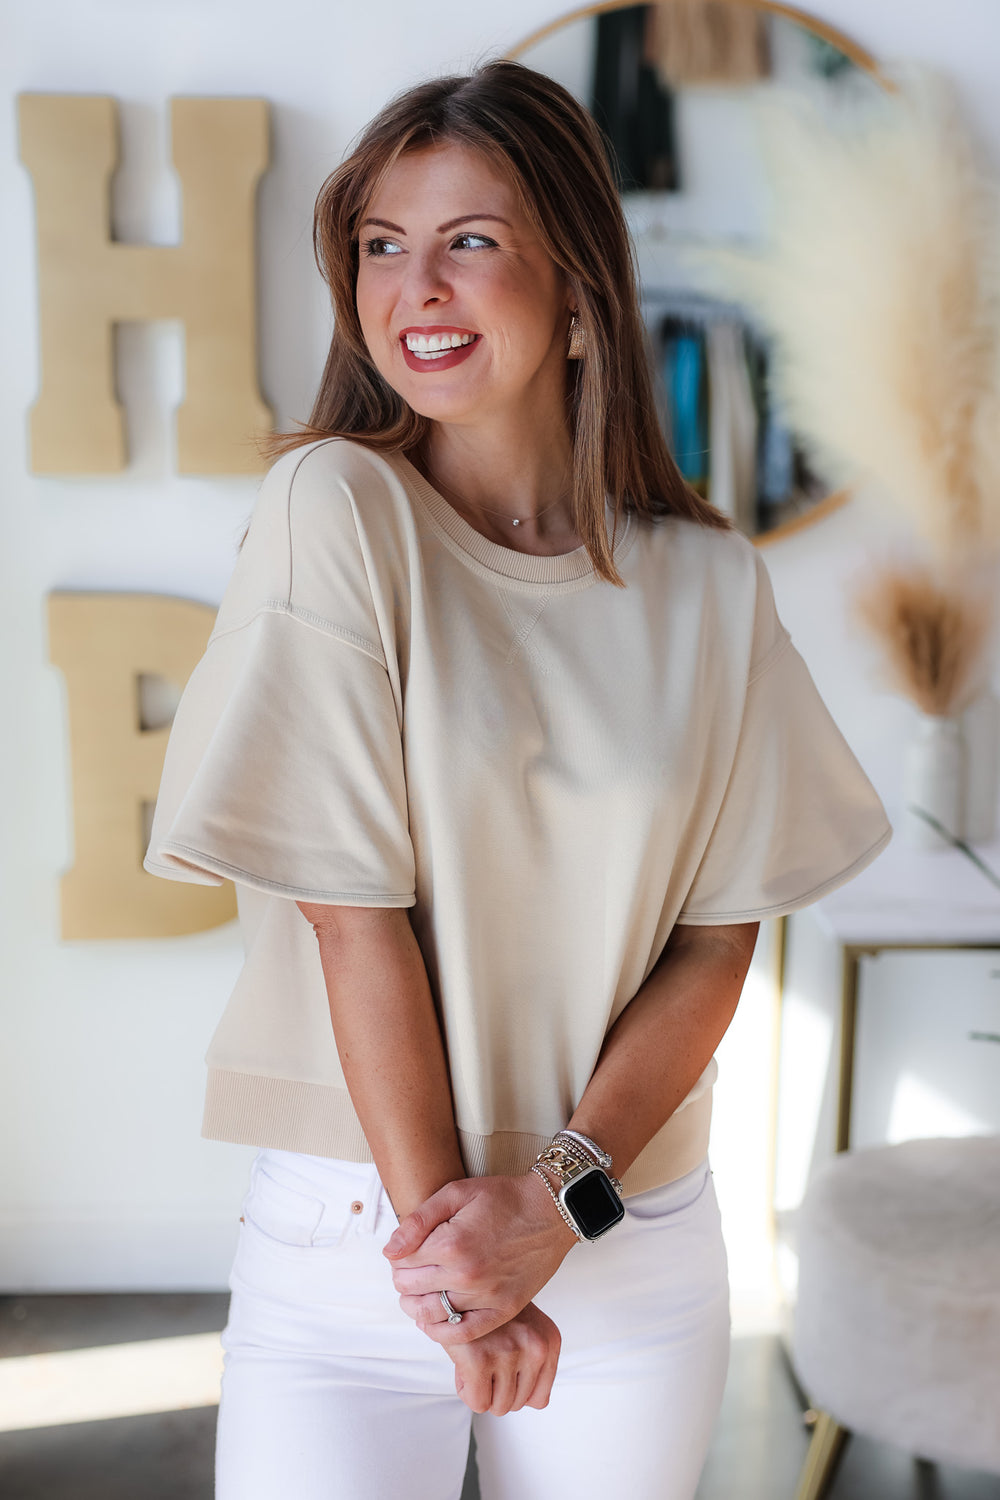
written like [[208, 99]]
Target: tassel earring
[[577, 343]]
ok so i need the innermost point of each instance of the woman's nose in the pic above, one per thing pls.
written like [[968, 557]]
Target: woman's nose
[[427, 280]]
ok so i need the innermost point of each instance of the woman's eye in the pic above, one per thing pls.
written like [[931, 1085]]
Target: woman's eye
[[473, 242], [379, 246]]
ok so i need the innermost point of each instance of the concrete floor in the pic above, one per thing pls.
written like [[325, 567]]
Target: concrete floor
[[756, 1454]]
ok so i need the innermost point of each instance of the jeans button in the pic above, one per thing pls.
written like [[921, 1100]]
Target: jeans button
[[357, 1207]]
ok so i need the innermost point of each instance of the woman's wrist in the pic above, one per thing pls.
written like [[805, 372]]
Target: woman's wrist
[[545, 1201], [415, 1175], [575, 1172]]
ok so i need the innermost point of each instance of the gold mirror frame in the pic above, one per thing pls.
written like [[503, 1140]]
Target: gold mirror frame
[[858, 56]]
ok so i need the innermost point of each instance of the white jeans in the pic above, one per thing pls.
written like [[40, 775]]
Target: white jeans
[[331, 1393]]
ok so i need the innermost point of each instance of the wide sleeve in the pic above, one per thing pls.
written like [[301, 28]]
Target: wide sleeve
[[284, 767], [799, 816]]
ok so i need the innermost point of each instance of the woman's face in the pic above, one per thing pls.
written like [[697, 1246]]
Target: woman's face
[[464, 312]]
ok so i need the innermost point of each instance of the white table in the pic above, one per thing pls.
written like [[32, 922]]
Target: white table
[[889, 1016]]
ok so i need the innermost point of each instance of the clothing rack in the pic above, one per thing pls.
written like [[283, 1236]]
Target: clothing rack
[[727, 437], [658, 302]]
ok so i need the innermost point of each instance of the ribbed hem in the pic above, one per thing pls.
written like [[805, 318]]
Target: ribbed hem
[[675, 1151], [284, 1114]]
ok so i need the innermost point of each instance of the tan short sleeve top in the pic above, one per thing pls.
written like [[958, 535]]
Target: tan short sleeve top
[[393, 710]]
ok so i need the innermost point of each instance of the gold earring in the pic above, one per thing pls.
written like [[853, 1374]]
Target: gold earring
[[577, 343]]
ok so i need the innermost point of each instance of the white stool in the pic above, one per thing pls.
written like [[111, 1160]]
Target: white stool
[[897, 1325]]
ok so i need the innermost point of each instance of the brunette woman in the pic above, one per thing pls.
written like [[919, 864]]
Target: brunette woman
[[503, 743]]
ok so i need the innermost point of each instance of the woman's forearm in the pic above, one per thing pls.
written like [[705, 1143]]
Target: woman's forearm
[[664, 1039], [505, 1238], [390, 1045]]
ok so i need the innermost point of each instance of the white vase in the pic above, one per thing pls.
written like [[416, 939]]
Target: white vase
[[934, 777], [981, 732]]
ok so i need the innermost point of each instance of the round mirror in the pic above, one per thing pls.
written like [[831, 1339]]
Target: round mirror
[[673, 86]]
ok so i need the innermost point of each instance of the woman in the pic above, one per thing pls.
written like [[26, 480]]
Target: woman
[[501, 739]]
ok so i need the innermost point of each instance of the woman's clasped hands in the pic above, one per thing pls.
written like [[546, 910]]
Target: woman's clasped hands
[[492, 1243]]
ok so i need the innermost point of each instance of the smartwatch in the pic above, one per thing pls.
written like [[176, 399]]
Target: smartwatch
[[589, 1198]]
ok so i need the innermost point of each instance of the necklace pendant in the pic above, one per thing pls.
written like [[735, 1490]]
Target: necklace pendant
[[515, 522]]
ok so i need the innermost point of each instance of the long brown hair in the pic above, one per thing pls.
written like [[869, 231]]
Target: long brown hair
[[532, 129]]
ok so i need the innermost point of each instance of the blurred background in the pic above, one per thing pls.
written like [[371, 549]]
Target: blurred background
[[794, 277]]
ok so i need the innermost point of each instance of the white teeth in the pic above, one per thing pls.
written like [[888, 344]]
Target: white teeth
[[434, 343]]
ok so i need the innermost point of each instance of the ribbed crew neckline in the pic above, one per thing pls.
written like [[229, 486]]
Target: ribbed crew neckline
[[565, 568]]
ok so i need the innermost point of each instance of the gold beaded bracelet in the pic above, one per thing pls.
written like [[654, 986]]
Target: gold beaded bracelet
[[563, 1213]]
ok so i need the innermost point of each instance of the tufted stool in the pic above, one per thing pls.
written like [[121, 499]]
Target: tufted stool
[[897, 1326]]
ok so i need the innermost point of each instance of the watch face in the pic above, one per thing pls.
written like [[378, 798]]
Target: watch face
[[593, 1202]]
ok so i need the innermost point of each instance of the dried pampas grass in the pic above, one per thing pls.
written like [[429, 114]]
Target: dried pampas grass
[[880, 284], [934, 634]]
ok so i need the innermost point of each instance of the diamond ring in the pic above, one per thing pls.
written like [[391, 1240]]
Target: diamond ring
[[454, 1316]]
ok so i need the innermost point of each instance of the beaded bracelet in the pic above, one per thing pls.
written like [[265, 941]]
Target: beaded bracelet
[[552, 1194], [555, 1159]]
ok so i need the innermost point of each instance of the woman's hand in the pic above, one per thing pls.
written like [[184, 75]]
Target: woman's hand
[[511, 1367], [491, 1242]]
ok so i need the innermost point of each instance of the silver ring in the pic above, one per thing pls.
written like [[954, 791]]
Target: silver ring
[[454, 1316]]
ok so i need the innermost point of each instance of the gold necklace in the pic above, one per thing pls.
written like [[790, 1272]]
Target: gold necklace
[[457, 500]]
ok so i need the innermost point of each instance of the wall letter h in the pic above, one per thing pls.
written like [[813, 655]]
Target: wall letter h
[[87, 282]]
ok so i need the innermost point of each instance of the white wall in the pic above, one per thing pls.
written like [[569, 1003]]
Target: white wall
[[103, 1178]]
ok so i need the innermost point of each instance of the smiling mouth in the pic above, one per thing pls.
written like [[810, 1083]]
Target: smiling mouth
[[433, 346]]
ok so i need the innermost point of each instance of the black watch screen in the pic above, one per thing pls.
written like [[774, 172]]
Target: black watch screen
[[594, 1204]]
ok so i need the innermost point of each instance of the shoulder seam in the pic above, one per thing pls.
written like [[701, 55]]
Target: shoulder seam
[[310, 618], [311, 448], [770, 657], [378, 652]]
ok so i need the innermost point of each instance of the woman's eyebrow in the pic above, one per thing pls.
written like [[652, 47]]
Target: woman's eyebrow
[[469, 218], [442, 228]]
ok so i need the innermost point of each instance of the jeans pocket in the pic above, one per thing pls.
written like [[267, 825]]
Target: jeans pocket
[[290, 1218]]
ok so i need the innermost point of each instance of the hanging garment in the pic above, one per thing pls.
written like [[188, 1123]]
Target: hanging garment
[[706, 41], [732, 426], [684, 377], [631, 105], [775, 481], [776, 469], [825, 59]]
